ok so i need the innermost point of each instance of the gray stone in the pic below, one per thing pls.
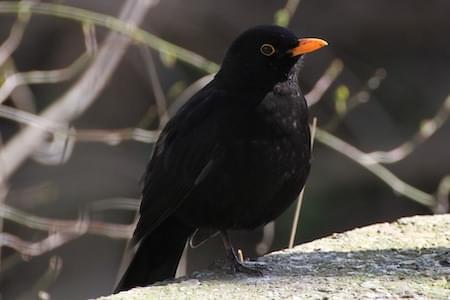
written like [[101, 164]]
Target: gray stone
[[407, 259]]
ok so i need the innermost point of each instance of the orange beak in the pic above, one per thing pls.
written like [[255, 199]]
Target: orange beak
[[307, 45]]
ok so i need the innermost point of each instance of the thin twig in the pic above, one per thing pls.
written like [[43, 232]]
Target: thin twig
[[114, 24], [115, 137], [51, 151], [81, 226], [160, 98], [427, 129], [82, 94], [240, 256], [375, 168], [15, 36], [344, 104], [442, 196], [284, 15], [67, 229], [21, 96], [42, 77], [90, 38], [61, 131], [298, 206], [189, 92], [34, 248], [291, 6], [114, 203], [267, 239], [26, 118], [326, 80], [44, 282], [3, 193]]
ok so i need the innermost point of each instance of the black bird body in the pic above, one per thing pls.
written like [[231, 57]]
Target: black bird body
[[235, 156], [259, 159]]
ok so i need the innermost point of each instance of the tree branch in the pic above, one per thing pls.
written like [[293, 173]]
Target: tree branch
[[114, 24], [82, 94], [375, 168]]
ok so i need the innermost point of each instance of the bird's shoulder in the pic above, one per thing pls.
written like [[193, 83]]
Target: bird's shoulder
[[181, 157], [190, 137], [200, 113]]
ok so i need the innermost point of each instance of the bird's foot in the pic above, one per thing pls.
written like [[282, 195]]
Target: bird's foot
[[249, 268]]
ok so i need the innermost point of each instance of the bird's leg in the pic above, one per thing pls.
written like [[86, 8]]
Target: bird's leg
[[235, 263]]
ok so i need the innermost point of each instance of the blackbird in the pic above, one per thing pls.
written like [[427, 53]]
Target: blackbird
[[235, 156]]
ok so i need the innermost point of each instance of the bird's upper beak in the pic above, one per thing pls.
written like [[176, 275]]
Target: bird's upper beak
[[307, 45]]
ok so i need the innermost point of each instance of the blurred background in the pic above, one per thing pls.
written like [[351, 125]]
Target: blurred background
[[80, 108]]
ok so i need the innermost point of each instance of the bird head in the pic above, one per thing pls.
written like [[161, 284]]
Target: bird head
[[263, 56]]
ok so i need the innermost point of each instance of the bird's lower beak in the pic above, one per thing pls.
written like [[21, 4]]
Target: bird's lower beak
[[307, 45]]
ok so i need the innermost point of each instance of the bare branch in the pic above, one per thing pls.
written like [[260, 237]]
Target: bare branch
[[284, 15], [22, 97], [39, 77], [114, 24], [63, 231], [115, 203], [15, 36], [375, 168], [115, 137], [43, 283], [81, 226], [291, 6], [427, 129], [90, 39], [442, 196], [268, 236], [37, 248], [344, 103], [61, 131], [27, 118], [300, 197], [161, 102], [189, 92], [82, 94], [326, 80], [56, 150]]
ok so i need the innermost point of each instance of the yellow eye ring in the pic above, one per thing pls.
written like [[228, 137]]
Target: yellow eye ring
[[267, 49]]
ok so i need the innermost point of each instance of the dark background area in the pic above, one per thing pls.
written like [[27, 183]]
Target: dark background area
[[408, 39]]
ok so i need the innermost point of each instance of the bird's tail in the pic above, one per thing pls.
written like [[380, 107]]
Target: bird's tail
[[157, 255]]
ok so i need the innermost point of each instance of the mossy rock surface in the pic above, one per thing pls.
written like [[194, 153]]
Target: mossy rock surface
[[407, 259]]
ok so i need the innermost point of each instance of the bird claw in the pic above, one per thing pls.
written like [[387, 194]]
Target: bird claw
[[249, 268], [254, 270]]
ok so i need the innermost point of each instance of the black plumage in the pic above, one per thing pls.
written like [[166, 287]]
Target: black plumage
[[235, 156]]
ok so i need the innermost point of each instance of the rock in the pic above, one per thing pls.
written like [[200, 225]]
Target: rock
[[407, 259]]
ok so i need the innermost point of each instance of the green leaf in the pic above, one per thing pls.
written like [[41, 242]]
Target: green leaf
[[282, 17], [341, 96]]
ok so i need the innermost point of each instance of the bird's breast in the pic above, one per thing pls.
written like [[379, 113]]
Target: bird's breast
[[262, 167]]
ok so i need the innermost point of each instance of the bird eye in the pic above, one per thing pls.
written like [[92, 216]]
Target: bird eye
[[267, 49]]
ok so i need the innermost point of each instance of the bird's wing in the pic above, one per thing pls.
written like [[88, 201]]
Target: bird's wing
[[183, 155]]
